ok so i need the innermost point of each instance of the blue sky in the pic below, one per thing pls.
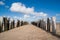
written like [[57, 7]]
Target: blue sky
[[37, 9]]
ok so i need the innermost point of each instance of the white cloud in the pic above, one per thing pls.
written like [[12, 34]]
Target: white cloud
[[40, 14], [19, 7], [2, 3], [34, 17], [26, 16]]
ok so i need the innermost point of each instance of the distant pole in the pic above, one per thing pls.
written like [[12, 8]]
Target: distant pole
[[53, 25]]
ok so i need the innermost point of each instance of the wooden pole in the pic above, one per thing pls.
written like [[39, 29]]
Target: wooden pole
[[48, 24], [54, 25], [21, 23], [1, 25], [38, 24]]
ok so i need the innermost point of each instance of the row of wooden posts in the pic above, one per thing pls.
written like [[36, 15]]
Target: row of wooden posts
[[5, 24], [47, 25]]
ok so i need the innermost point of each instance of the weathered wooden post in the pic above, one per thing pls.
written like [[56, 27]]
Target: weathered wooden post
[[40, 24], [15, 23], [21, 23], [1, 28], [33, 23], [12, 24], [54, 25], [37, 24], [48, 24], [44, 25], [8, 24], [5, 23], [18, 23]]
